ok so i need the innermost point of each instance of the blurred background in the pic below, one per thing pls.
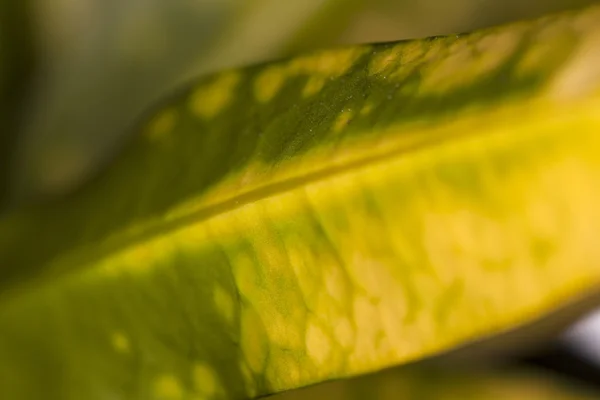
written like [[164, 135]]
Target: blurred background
[[75, 75]]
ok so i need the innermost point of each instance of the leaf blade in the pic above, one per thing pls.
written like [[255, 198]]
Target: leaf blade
[[274, 249]]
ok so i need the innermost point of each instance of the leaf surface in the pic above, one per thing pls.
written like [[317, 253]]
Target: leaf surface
[[317, 218]]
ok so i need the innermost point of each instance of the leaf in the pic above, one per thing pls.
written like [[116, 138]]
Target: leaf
[[423, 384], [317, 218], [16, 60], [387, 20]]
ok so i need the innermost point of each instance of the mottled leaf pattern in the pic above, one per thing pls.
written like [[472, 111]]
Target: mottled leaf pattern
[[317, 218]]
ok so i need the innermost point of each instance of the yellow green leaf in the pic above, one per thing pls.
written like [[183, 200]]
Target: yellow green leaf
[[317, 218]]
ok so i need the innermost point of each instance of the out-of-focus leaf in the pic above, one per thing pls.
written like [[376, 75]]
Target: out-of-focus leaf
[[328, 25], [316, 218], [16, 56], [416, 384], [386, 20]]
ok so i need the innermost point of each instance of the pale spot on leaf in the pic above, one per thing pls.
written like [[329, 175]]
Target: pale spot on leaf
[[268, 83], [344, 332], [367, 109], [301, 258], [496, 47], [245, 275], [120, 342], [581, 76], [284, 371], [162, 124], [342, 120], [336, 285], [318, 344], [167, 387], [549, 43], [253, 340], [224, 303], [282, 331], [314, 84], [211, 98], [384, 60], [205, 380], [449, 72], [329, 64], [366, 315], [249, 380]]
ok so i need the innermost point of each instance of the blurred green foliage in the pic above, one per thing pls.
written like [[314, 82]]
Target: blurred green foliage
[[16, 67], [417, 383]]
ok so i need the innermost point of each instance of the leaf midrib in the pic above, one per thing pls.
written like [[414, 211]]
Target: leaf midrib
[[454, 130], [436, 138]]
